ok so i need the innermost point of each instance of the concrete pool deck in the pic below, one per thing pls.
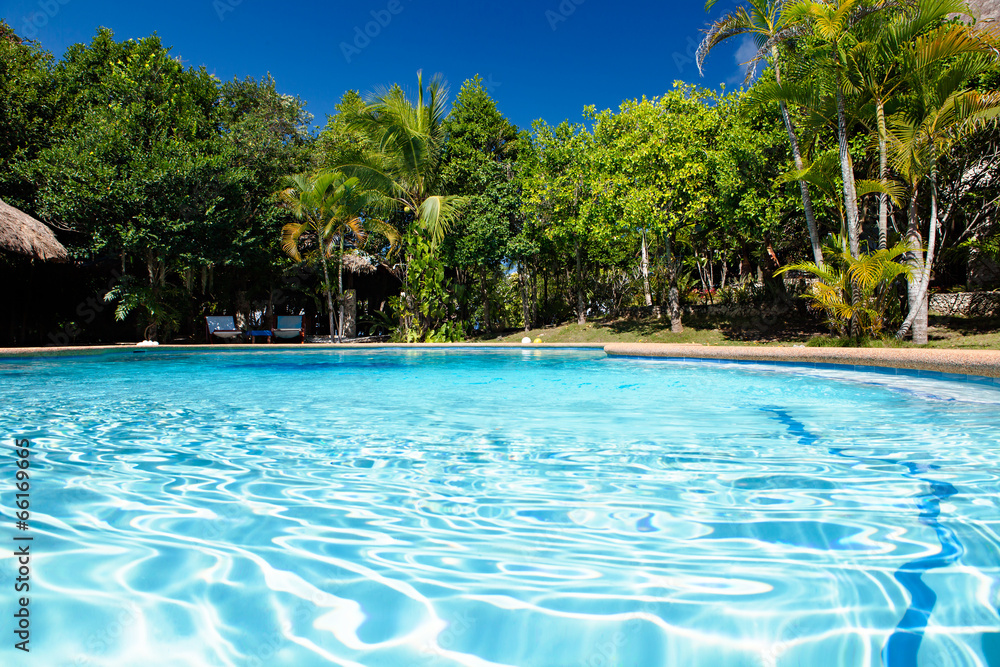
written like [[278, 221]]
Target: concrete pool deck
[[974, 363], [977, 363]]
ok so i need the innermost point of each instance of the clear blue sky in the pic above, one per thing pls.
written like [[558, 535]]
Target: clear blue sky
[[540, 58]]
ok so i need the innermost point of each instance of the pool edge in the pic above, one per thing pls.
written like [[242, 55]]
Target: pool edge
[[93, 350], [974, 363]]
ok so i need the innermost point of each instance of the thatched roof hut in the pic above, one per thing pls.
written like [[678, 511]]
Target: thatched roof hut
[[21, 233], [358, 264]]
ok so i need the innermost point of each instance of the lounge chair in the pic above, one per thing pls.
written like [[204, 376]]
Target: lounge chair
[[222, 326], [289, 326]]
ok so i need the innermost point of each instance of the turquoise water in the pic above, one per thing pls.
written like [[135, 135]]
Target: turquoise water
[[530, 508]]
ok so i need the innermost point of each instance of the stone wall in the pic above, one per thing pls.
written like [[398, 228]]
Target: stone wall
[[966, 304]]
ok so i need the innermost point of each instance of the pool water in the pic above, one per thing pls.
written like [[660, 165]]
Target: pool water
[[536, 508]]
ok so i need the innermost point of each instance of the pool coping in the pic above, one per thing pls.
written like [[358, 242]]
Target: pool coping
[[951, 364], [956, 364], [90, 350]]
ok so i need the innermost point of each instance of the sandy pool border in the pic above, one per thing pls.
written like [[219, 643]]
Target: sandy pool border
[[962, 364]]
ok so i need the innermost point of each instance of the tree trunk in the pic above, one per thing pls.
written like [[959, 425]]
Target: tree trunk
[[329, 292], [644, 266], [850, 194], [711, 274], [534, 292], [545, 288], [673, 292], [340, 291], [847, 173], [883, 174], [581, 315], [793, 139], [485, 293], [522, 280], [817, 247], [917, 298]]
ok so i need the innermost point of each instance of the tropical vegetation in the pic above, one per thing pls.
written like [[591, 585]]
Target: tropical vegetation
[[179, 195]]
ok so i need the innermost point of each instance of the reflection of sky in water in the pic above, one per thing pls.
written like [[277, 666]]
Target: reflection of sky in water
[[502, 508]]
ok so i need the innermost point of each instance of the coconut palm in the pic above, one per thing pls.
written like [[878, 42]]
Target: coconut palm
[[323, 204], [832, 24], [400, 172], [763, 22], [401, 167]]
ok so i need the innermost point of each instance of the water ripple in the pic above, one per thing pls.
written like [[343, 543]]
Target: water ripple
[[494, 509]]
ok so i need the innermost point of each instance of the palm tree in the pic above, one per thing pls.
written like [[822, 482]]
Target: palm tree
[[322, 203], [402, 165], [855, 292], [887, 55], [941, 112], [831, 24], [764, 23], [400, 168]]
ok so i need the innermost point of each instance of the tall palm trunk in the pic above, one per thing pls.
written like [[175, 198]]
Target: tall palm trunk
[[793, 139], [847, 173], [917, 289], [340, 290], [850, 195], [883, 175], [329, 292], [581, 314]]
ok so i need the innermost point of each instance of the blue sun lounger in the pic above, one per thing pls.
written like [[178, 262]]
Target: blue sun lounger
[[221, 326], [289, 326]]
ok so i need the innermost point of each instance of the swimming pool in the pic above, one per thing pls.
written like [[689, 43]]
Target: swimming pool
[[518, 507]]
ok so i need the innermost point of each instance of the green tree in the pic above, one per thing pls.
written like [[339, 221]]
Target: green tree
[[132, 169], [656, 165], [329, 207], [400, 167], [766, 25], [26, 104], [482, 163], [558, 193], [167, 173], [942, 110], [855, 292]]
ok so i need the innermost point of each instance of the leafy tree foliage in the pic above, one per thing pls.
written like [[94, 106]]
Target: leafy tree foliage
[[875, 120], [482, 162]]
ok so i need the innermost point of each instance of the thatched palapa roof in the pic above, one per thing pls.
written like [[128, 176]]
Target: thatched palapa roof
[[357, 264], [21, 233]]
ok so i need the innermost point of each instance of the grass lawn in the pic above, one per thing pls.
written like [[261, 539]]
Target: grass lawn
[[945, 332]]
